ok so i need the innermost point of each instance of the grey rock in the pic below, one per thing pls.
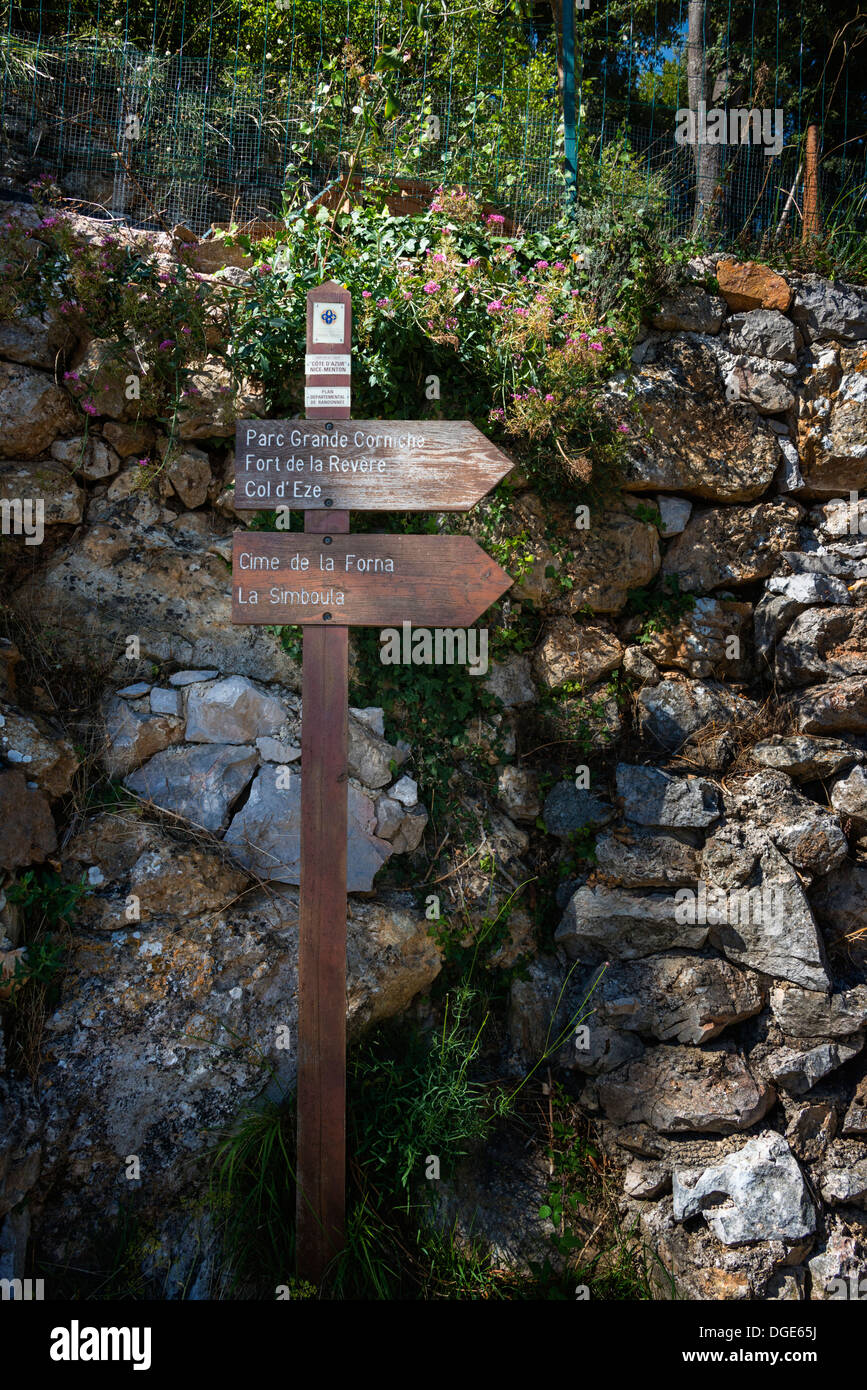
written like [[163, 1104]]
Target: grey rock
[[511, 681], [405, 791], [640, 666], [677, 997], [790, 477], [606, 1050], [518, 794], [372, 717], [192, 677], [810, 589], [804, 1013], [839, 1265], [134, 691], [389, 817], [733, 545], [808, 835], [642, 859], [823, 644], [797, 1072], [645, 1182], [371, 757], [780, 936], [855, 1119], [830, 709], [133, 734], [830, 310], [678, 1089], [33, 411], [845, 1186], [652, 798], [233, 710], [690, 309], [568, 808], [675, 513], [166, 702], [805, 758], [198, 783], [849, 797], [274, 750], [675, 711], [602, 923], [767, 1197], [410, 831], [265, 835], [764, 333]]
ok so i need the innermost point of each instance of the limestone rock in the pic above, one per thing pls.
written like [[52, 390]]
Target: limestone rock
[[189, 474], [570, 651], [700, 641], [33, 411], [855, 1120], [776, 931], [643, 859], [764, 333], [838, 1268], [518, 791], [677, 1089], [823, 644], [675, 711], [849, 797], [838, 707], [35, 340], [47, 482], [265, 835], [798, 1071], [168, 587], [569, 808], [768, 1198], [602, 923], [689, 440], [90, 456], [136, 859], [809, 836], [650, 797], [690, 309], [831, 309], [737, 545], [211, 402], [805, 758], [371, 757], [676, 997], [803, 1013], [199, 783], [233, 710], [133, 734], [511, 681], [45, 756], [616, 554]]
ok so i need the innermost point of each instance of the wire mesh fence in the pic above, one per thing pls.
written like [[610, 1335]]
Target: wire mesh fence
[[160, 139]]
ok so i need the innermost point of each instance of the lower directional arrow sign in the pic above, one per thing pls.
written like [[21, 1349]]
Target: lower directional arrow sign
[[366, 581]]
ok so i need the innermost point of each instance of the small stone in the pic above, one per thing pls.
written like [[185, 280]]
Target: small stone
[[511, 681], [271, 750], [767, 1196], [233, 710], [135, 691], [518, 790], [569, 808], [192, 677], [405, 791], [372, 718], [166, 702], [650, 797], [675, 513]]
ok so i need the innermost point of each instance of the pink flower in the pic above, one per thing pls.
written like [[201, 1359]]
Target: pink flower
[[522, 313], [576, 294], [166, 344], [596, 347], [541, 265], [495, 219], [474, 260], [495, 306], [558, 265], [89, 407], [406, 294], [549, 397], [439, 257], [264, 268], [431, 287], [143, 463], [623, 429], [582, 337], [365, 294], [382, 303]]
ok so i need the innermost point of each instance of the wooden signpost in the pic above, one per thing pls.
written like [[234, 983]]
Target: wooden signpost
[[329, 580]]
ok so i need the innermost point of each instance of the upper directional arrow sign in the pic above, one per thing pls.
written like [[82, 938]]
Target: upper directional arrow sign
[[364, 465], [368, 581]]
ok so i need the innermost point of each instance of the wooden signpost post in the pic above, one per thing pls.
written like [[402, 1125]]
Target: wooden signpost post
[[329, 580]]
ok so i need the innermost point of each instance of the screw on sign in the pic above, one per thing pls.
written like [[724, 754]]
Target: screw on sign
[[328, 580]]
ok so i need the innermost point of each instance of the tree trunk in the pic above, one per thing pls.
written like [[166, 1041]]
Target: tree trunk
[[707, 160]]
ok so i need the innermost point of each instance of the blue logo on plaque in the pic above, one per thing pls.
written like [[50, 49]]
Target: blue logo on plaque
[[328, 316]]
